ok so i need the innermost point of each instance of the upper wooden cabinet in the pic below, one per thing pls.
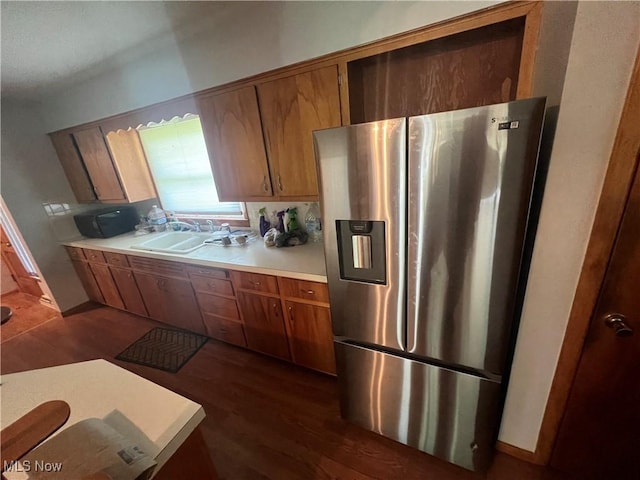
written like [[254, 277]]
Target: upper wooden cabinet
[[291, 108], [93, 151], [73, 166], [131, 164], [232, 132], [108, 169], [286, 110]]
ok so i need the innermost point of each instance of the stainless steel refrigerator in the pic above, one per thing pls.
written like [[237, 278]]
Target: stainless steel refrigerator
[[424, 226]]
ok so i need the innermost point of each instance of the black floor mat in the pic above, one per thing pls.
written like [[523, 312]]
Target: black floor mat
[[163, 348]]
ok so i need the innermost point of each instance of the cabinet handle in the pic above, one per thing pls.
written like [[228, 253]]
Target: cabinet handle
[[129, 275], [256, 284], [280, 183], [308, 292], [275, 309], [290, 308], [211, 286], [265, 187]]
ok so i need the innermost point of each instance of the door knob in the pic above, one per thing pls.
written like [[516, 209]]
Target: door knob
[[617, 322]]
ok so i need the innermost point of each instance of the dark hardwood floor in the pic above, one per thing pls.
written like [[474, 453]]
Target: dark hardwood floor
[[28, 313], [266, 419]]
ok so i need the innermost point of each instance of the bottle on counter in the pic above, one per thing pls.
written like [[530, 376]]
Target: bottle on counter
[[265, 225], [157, 218], [312, 223]]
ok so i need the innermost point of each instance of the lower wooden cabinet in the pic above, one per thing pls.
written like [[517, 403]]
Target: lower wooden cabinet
[[107, 285], [88, 281], [170, 300], [264, 324], [282, 317], [310, 336], [225, 330], [129, 292]]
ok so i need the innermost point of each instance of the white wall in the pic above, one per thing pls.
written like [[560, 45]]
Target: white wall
[[252, 37], [605, 40], [31, 175], [269, 35]]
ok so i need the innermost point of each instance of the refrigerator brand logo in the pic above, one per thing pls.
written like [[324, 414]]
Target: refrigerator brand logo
[[505, 125]]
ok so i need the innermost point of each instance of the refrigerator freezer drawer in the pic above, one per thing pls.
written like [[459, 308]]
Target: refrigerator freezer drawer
[[447, 414]]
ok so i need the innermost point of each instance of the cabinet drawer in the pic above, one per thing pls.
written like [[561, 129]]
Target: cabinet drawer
[[304, 290], [75, 253], [223, 307], [254, 281], [207, 271], [160, 267], [117, 259], [95, 256], [211, 285], [224, 330]]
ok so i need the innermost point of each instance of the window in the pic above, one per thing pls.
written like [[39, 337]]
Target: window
[[180, 168]]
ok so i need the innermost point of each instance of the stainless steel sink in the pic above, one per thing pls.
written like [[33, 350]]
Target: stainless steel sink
[[173, 242]]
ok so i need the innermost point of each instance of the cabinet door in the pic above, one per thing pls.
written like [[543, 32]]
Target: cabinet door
[[129, 291], [73, 166], [310, 336], [153, 298], [107, 285], [263, 324], [180, 304], [98, 163], [88, 281], [291, 108], [170, 300], [233, 134], [131, 163]]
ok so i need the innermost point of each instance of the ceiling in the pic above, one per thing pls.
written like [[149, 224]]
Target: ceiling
[[48, 45]]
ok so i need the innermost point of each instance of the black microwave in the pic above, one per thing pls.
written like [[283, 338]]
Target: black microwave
[[107, 222]]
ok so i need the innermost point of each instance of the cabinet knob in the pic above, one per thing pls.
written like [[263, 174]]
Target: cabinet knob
[[280, 184], [265, 187]]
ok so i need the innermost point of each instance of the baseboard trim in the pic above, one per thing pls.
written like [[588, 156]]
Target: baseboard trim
[[519, 453], [83, 307]]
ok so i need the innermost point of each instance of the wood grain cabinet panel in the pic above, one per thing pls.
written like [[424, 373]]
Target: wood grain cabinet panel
[[129, 291], [224, 330], [255, 281], [131, 164], [107, 285], [263, 324], [211, 285], [170, 300], [233, 135], [117, 259], [220, 306], [99, 164], [73, 166], [314, 291], [94, 256], [290, 109], [310, 336], [75, 253], [88, 281]]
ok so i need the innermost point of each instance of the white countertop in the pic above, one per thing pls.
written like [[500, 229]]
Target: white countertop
[[156, 419], [303, 262]]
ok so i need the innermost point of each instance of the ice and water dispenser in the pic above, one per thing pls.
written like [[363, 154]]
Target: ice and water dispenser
[[361, 250]]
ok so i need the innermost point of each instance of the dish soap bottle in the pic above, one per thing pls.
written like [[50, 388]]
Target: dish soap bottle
[[312, 223], [157, 218]]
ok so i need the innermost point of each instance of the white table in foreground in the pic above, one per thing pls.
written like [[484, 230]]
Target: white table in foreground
[[155, 418]]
